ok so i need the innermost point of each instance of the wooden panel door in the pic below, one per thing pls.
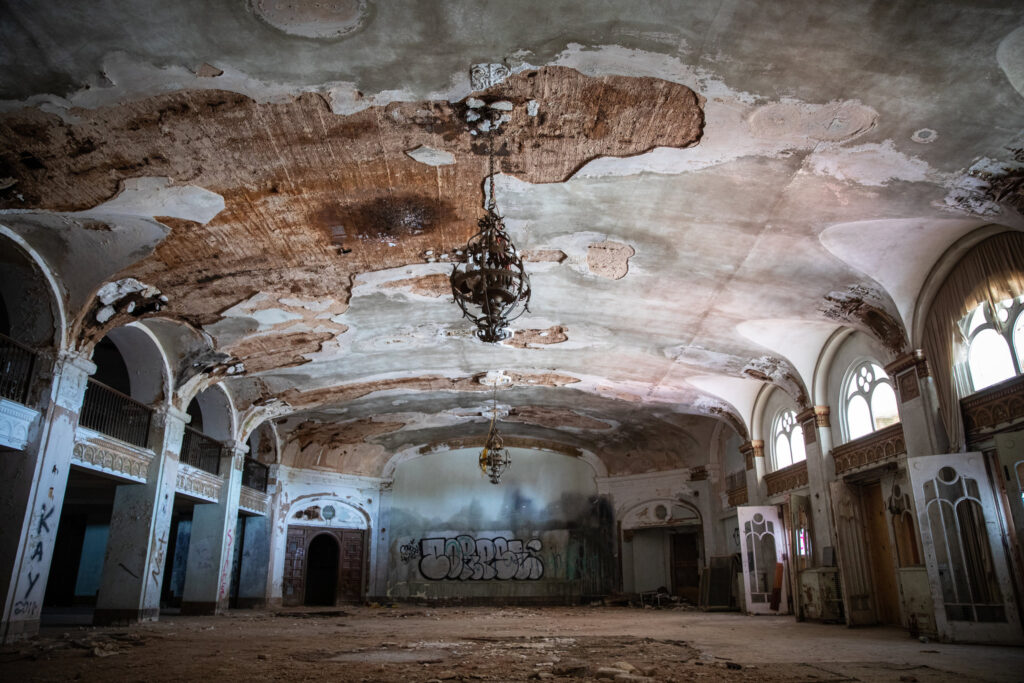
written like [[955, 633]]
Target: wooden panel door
[[858, 596], [881, 556], [962, 537], [350, 577], [293, 589], [686, 565], [763, 548]]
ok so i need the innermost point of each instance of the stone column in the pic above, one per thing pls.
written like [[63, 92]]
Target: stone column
[[753, 451], [140, 526], [32, 485], [380, 544], [208, 569], [820, 471], [918, 405], [278, 539]]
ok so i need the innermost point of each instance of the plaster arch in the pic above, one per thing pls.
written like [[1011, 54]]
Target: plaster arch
[[148, 369], [649, 514], [218, 411], [312, 510], [58, 313]]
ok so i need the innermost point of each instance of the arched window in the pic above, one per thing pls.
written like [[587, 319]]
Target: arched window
[[788, 441], [993, 338], [869, 400]]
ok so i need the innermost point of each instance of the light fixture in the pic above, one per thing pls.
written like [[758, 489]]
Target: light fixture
[[490, 285], [494, 458]]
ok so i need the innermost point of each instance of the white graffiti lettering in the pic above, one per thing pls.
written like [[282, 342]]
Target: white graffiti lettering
[[465, 558]]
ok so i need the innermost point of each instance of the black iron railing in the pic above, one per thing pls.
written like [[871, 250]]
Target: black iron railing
[[16, 364], [254, 475], [110, 412], [200, 450]]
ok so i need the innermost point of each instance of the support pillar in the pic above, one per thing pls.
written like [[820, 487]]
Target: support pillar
[[140, 527], [378, 584], [918, 405], [820, 471], [208, 569], [278, 539], [32, 486], [753, 452]]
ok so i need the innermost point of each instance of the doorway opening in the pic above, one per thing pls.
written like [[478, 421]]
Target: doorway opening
[[322, 571]]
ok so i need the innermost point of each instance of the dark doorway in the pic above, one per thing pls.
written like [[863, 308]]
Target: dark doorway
[[322, 571], [686, 565]]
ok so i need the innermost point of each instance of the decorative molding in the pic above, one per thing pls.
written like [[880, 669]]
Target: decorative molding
[[997, 406], [198, 483], [911, 359], [788, 478], [698, 473], [738, 496], [880, 446], [252, 500], [752, 449], [908, 386], [15, 423], [821, 417], [96, 452]]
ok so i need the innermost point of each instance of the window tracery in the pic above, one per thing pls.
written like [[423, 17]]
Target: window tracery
[[788, 443], [869, 400]]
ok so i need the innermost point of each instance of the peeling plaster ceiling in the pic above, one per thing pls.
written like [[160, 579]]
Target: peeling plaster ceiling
[[702, 192]]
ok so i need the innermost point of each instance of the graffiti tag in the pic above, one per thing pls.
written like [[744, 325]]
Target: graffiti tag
[[465, 558], [227, 563], [410, 551]]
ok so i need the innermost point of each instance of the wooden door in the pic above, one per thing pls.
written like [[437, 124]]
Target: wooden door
[[686, 565], [854, 570], [880, 554], [350, 577], [294, 583], [962, 537], [763, 548]]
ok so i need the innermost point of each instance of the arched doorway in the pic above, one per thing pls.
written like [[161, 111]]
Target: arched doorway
[[322, 570]]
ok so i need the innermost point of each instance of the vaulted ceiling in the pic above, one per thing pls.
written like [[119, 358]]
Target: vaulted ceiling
[[703, 193]]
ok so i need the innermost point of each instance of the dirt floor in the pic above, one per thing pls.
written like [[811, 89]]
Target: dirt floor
[[420, 644]]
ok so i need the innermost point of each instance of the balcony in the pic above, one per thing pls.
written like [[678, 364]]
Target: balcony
[[201, 451], [110, 412], [17, 362], [254, 475]]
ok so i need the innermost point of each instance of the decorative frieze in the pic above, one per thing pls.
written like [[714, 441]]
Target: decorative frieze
[[786, 479], [195, 482], [96, 452], [698, 473], [15, 422], [255, 501], [884, 445], [994, 407], [907, 371], [738, 496]]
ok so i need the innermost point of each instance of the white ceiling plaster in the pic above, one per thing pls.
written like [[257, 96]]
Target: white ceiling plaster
[[799, 341], [739, 392], [898, 252]]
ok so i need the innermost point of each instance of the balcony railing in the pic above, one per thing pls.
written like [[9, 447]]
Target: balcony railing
[[112, 413], [200, 450], [16, 364], [254, 475]]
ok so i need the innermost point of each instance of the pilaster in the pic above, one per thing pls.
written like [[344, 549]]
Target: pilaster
[[753, 453], [133, 567], [918, 405], [208, 569], [816, 425], [32, 486]]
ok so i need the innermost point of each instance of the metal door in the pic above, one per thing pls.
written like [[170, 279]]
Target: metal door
[[961, 534], [763, 545]]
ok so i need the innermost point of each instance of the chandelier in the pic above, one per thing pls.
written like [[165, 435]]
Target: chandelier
[[490, 285], [494, 457]]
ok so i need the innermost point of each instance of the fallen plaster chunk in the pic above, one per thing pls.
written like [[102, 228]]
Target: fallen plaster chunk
[[430, 156], [501, 105]]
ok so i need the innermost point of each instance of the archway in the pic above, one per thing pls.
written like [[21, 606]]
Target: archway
[[322, 571]]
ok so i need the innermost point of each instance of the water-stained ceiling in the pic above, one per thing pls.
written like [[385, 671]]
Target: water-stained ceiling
[[703, 192]]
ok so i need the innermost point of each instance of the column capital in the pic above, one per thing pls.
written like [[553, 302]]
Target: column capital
[[911, 359], [166, 413], [78, 360], [752, 449]]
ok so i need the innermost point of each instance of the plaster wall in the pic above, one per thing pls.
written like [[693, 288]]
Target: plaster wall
[[542, 534]]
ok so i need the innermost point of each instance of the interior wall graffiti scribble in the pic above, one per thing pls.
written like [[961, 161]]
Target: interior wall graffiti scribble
[[465, 558]]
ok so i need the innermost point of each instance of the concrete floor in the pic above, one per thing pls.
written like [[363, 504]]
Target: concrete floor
[[503, 644]]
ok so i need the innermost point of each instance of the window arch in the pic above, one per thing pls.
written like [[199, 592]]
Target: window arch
[[992, 339], [787, 440], [869, 400]]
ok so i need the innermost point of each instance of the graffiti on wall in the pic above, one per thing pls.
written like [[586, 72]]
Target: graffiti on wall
[[465, 558]]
